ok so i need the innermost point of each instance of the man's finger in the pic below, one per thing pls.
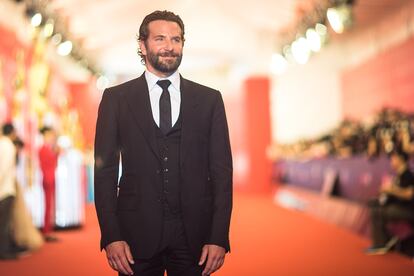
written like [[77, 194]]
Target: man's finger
[[208, 269], [203, 256], [216, 264], [125, 265], [119, 265], [129, 255]]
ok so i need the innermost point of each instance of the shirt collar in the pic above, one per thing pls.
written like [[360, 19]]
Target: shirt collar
[[152, 80]]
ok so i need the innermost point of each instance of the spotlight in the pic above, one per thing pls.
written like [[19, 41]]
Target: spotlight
[[57, 38], [301, 50], [287, 53], [278, 64], [48, 28], [321, 29], [314, 40], [340, 17], [36, 20], [65, 48]]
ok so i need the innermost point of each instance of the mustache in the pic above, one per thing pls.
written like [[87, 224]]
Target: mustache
[[169, 54]]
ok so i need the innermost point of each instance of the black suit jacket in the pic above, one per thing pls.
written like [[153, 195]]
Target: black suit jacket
[[125, 128]]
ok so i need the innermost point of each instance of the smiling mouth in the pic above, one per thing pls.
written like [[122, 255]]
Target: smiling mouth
[[168, 57]]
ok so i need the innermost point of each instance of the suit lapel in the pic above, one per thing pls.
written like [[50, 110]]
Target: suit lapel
[[188, 104], [137, 98]]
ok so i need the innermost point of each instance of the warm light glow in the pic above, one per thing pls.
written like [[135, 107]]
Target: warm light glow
[[340, 17], [314, 40], [278, 64], [287, 53], [49, 27], [65, 48], [56, 39], [301, 50], [335, 20], [36, 20], [321, 29]]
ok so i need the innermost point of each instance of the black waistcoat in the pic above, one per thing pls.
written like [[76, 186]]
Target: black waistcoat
[[170, 178]]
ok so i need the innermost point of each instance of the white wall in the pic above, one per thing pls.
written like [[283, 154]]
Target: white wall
[[306, 100]]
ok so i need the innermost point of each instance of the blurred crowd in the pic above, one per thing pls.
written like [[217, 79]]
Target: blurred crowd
[[18, 234], [387, 131]]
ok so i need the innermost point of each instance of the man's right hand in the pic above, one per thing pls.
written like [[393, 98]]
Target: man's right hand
[[119, 257]]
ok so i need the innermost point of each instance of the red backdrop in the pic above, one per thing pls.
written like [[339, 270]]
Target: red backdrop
[[386, 80]]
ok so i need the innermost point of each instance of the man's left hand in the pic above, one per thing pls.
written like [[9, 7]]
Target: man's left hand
[[214, 255]]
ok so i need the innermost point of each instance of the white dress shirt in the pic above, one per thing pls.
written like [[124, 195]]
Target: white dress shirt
[[155, 92], [7, 168]]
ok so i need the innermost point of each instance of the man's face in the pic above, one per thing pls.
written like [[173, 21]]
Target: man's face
[[163, 49]]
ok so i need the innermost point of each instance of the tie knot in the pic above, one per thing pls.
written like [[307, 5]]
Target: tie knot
[[164, 84]]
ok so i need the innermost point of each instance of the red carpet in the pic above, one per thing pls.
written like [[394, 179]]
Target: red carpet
[[266, 240]]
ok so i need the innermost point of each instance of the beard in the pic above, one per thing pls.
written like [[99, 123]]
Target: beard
[[168, 66]]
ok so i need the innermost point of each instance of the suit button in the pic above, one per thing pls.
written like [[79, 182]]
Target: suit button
[[165, 159], [165, 170], [166, 181]]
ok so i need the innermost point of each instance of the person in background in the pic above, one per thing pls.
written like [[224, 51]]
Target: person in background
[[396, 202], [7, 190], [48, 156], [26, 236]]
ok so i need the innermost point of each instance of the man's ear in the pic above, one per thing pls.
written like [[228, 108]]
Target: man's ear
[[143, 48]]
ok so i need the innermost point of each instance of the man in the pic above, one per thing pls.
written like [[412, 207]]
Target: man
[[48, 157], [7, 190], [396, 202], [172, 210]]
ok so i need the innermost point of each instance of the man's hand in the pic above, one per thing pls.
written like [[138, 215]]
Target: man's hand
[[119, 257], [214, 255]]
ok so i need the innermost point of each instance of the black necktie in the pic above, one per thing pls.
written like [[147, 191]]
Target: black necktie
[[165, 106]]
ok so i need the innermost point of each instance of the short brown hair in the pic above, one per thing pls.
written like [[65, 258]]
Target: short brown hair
[[157, 15]]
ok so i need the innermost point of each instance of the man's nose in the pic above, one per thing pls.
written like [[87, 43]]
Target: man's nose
[[168, 45]]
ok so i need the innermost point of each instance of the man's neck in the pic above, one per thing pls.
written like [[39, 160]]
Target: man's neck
[[158, 73]]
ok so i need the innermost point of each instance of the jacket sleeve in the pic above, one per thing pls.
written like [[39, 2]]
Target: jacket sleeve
[[106, 168], [221, 175]]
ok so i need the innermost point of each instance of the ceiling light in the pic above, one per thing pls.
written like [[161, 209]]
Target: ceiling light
[[321, 29], [48, 28], [57, 39], [65, 48], [340, 17], [314, 40], [301, 50], [36, 20]]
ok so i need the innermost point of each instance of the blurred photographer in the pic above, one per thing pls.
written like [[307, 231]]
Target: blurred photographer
[[396, 202]]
